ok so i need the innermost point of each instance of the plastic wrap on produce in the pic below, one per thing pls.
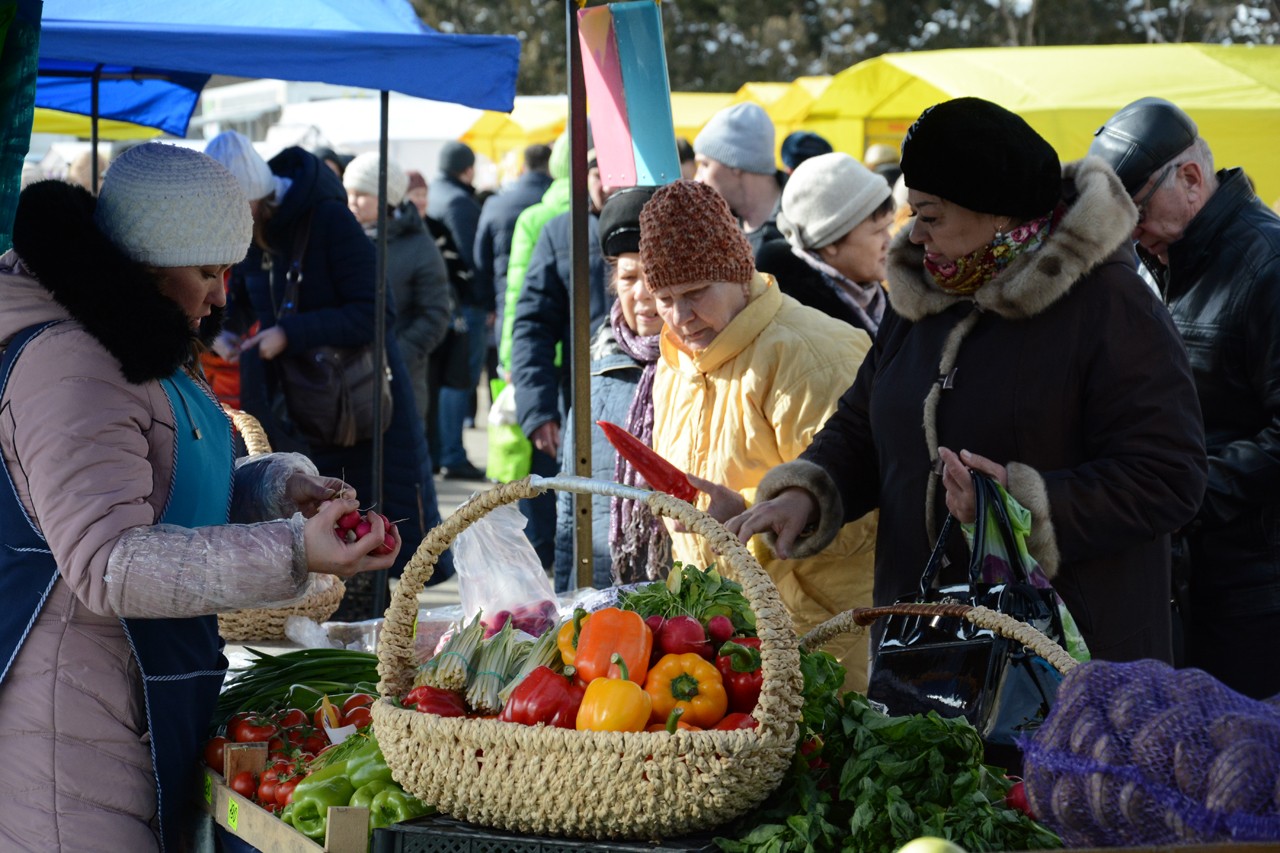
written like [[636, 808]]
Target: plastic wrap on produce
[[259, 493], [167, 571], [592, 600]]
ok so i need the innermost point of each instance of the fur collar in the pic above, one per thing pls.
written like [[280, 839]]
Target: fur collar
[[1099, 220], [115, 299]]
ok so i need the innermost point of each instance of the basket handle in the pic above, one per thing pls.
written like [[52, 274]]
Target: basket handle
[[780, 693], [1001, 623], [255, 437]]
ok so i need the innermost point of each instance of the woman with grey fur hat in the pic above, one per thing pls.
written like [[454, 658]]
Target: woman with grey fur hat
[[1019, 342], [116, 508]]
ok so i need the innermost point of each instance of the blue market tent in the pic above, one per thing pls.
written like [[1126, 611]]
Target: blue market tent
[[151, 58]]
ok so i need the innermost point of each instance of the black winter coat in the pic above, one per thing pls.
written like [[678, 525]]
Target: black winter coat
[[1067, 370], [336, 306], [1222, 287], [492, 251], [805, 284]]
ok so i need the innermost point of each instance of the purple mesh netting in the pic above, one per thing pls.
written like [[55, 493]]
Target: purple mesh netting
[[1141, 753]]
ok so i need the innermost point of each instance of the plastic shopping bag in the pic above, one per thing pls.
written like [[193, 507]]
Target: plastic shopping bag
[[500, 576]]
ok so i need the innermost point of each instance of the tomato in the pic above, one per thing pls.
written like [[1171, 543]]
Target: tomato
[[267, 791], [214, 753], [254, 729], [357, 700], [284, 791], [245, 783], [359, 717], [287, 718], [315, 743]]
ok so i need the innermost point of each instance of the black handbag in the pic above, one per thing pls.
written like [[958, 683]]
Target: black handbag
[[958, 669], [329, 391], [450, 360]]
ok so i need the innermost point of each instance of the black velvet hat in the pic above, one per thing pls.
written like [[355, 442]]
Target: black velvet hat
[[1141, 138], [620, 220], [982, 157]]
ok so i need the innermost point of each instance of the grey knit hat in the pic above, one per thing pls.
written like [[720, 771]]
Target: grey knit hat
[[456, 158], [234, 151], [361, 175], [826, 197], [168, 206], [741, 137]]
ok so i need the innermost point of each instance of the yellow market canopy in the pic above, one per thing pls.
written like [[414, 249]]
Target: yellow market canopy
[[1066, 93]]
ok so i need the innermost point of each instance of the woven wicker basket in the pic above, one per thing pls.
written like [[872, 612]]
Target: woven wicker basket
[[858, 619], [551, 781], [324, 592]]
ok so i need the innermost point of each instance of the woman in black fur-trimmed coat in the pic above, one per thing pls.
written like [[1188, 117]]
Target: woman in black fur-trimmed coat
[[336, 306], [1061, 374]]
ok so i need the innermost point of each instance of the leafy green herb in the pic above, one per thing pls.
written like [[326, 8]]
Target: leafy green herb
[[863, 781], [690, 591]]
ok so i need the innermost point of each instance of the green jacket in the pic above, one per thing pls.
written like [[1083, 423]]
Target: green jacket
[[555, 201]]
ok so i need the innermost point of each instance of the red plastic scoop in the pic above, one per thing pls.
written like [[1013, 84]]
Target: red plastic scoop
[[657, 472]]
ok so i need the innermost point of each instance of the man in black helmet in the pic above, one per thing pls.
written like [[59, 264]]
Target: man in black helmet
[[1214, 251]]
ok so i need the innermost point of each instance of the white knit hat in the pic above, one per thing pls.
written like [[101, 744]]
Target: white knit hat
[[236, 152], [826, 197], [168, 206], [741, 137], [361, 175]]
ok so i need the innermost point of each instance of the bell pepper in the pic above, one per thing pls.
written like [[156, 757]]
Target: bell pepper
[[686, 681], [435, 700], [739, 666], [657, 472], [393, 805], [544, 696], [672, 724], [567, 638], [368, 764], [364, 795], [614, 704], [315, 794], [611, 631], [736, 721]]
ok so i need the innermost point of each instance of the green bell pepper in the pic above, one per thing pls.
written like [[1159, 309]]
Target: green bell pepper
[[393, 805], [368, 764], [312, 799], [364, 795]]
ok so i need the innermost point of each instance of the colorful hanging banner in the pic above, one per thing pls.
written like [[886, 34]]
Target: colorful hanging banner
[[628, 93]]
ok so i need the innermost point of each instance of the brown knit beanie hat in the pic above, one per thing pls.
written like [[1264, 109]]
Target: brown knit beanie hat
[[688, 234]]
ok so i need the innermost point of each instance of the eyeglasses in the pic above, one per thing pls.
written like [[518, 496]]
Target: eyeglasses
[[1146, 198]]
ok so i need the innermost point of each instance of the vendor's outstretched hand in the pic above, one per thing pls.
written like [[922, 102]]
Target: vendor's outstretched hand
[[725, 502], [328, 554], [961, 501], [788, 514], [307, 493]]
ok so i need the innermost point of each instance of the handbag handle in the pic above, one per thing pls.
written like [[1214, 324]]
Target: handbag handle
[[293, 276], [985, 495]]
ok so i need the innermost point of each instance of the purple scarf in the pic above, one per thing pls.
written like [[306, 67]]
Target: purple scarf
[[638, 541]]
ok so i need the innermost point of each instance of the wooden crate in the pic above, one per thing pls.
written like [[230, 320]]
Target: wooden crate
[[348, 828]]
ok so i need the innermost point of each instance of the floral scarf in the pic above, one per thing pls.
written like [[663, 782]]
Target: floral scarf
[[965, 275], [866, 300], [638, 541]]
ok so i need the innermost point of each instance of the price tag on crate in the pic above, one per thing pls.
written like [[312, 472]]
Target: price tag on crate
[[208, 788], [233, 815]]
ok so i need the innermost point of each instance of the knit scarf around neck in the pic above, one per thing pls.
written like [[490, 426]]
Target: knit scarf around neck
[[638, 541], [866, 300], [965, 275]]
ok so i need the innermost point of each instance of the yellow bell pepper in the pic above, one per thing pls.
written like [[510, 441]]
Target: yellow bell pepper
[[690, 682], [614, 704], [567, 639]]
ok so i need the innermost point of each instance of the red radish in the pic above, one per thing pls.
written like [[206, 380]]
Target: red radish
[[350, 520], [388, 545], [654, 623], [1017, 799], [719, 629], [681, 635], [362, 529]]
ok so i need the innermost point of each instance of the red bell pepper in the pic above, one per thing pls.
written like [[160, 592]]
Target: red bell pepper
[[739, 665], [544, 696], [657, 472], [736, 721], [434, 700]]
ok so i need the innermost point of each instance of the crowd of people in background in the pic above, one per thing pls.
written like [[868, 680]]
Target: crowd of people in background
[[826, 344]]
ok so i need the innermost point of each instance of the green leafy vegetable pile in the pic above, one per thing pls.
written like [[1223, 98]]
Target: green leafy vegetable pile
[[862, 781], [689, 591]]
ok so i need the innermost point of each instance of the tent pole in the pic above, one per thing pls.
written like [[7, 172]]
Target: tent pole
[[580, 296], [93, 128], [380, 341]]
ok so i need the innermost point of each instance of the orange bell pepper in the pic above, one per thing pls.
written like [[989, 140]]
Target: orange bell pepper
[[567, 639], [690, 682], [611, 631], [614, 704], [673, 722]]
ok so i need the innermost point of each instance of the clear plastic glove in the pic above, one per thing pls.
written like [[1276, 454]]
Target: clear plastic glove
[[788, 515], [276, 485], [328, 554], [227, 346]]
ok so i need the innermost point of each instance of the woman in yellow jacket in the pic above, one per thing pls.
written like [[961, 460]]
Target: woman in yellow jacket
[[746, 377]]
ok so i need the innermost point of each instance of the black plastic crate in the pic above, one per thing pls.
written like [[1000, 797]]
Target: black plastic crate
[[440, 834]]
